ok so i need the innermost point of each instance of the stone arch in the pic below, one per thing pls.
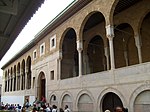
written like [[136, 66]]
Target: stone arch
[[85, 21], [144, 37], [53, 99], [63, 36], [69, 62], [110, 90], [29, 72], [136, 92], [111, 14], [41, 84], [126, 53], [67, 99], [87, 104], [141, 20]]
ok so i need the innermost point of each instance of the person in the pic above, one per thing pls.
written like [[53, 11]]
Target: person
[[43, 99], [54, 108], [61, 110], [119, 109], [27, 103], [35, 101], [48, 108], [67, 109], [107, 110]]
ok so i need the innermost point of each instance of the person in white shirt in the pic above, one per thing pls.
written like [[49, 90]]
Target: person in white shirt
[[67, 109], [54, 108]]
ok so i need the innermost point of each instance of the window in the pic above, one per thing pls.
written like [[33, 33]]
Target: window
[[52, 75], [34, 54], [42, 49], [53, 42]]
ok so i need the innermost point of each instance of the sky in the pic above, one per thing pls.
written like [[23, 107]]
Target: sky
[[49, 10]]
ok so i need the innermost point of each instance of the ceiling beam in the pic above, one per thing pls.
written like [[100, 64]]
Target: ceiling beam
[[4, 37], [10, 8]]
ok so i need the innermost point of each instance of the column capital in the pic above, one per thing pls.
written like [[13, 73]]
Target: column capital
[[79, 45], [109, 31]]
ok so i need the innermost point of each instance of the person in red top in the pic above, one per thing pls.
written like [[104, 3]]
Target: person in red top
[[43, 99]]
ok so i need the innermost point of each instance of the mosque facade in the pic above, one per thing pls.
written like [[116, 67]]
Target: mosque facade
[[95, 55]]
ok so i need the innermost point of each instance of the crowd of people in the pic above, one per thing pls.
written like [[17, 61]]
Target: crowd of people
[[42, 106], [37, 106]]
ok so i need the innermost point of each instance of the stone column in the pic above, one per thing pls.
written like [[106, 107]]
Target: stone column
[[26, 80], [80, 49], [138, 45], [21, 80], [107, 56], [7, 84], [17, 82], [59, 66], [13, 80], [110, 36]]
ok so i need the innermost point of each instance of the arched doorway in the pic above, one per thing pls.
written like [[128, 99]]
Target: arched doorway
[[41, 86], [145, 38], [67, 100], [110, 101], [85, 103], [142, 102]]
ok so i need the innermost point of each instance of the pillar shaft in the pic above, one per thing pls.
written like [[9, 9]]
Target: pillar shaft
[[110, 36], [80, 48]]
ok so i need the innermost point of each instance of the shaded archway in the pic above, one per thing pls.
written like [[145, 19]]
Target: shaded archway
[[125, 50], [67, 100], [14, 79], [6, 81], [28, 71], [110, 101], [41, 82], [69, 62], [23, 75], [145, 38], [8, 77], [95, 53], [18, 77], [94, 59], [85, 103], [142, 102]]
